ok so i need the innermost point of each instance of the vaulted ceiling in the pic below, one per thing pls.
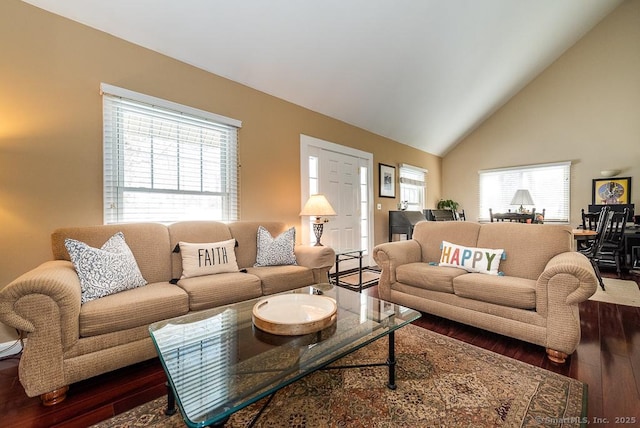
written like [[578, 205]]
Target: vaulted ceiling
[[422, 72]]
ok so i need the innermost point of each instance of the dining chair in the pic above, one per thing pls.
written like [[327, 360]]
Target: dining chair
[[589, 222], [612, 250], [535, 216], [593, 250], [461, 216]]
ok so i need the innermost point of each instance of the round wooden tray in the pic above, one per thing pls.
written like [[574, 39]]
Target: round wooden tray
[[294, 314]]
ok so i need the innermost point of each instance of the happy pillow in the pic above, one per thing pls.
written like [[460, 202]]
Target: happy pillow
[[481, 260], [200, 259]]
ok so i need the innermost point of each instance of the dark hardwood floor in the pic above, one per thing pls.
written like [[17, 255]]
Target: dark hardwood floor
[[607, 359]]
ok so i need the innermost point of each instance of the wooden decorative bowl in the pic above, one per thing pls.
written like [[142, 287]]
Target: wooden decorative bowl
[[294, 314]]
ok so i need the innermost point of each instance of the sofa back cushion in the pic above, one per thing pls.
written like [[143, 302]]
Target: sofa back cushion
[[528, 247], [246, 234], [194, 232], [430, 235], [149, 243]]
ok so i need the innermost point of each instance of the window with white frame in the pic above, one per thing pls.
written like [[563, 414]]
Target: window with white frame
[[548, 184], [413, 186], [167, 162]]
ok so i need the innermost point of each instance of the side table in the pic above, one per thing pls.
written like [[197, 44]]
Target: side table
[[344, 255]]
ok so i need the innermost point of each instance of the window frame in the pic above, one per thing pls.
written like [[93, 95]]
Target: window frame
[[413, 183], [215, 144], [544, 182]]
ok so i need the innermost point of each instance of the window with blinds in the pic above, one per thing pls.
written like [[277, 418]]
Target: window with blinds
[[413, 187], [548, 184], [165, 162]]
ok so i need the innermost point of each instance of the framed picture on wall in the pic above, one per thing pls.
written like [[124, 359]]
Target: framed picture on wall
[[611, 191], [387, 180]]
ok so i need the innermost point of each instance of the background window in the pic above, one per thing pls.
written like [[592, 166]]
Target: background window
[[548, 184], [165, 162], [413, 186]]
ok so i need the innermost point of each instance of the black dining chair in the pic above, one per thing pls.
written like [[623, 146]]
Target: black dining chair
[[612, 250], [595, 245], [589, 222]]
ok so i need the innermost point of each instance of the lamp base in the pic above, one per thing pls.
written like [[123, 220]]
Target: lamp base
[[317, 230]]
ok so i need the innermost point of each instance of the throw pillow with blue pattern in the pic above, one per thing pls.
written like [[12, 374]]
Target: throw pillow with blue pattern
[[106, 270], [276, 251]]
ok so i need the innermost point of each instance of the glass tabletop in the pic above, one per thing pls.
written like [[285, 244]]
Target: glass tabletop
[[218, 362]]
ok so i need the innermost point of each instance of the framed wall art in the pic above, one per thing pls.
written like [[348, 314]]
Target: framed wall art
[[611, 191], [387, 180]]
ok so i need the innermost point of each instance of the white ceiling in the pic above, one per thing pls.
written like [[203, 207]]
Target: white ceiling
[[421, 72]]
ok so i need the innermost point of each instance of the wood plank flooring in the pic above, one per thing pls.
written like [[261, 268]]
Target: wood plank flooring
[[607, 359]]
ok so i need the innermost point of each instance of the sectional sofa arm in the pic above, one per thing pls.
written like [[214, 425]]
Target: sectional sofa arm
[[44, 303], [312, 257], [571, 276], [390, 255]]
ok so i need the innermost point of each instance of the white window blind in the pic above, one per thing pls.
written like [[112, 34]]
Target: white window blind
[[548, 184], [166, 162], [413, 186]]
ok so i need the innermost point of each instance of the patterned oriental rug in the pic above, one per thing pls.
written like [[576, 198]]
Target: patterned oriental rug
[[441, 382]]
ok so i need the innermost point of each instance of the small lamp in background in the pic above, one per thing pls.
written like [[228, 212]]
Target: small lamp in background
[[317, 206], [522, 197]]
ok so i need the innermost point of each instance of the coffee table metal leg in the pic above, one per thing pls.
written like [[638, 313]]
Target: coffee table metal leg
[[171, 401], [391, 362]]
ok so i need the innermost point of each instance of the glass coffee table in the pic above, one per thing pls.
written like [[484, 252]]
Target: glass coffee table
[[217, 362]]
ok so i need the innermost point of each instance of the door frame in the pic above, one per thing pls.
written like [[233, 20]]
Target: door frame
[[306, 143]]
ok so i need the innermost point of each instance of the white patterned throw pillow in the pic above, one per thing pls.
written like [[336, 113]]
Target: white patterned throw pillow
[[276, 251], [208, 258], [104, 271]]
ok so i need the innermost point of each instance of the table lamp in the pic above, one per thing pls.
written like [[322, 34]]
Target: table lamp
[[317, 206], [522, 197]]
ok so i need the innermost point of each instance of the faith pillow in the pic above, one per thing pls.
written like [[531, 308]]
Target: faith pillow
[[208, 259], [106, 270], [276, 251], [481, 260]]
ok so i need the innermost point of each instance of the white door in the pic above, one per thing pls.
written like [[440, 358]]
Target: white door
[[345, 176], [339, 182]]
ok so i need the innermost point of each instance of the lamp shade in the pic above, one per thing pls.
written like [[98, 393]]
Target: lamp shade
[[522, 197], [317, 206]]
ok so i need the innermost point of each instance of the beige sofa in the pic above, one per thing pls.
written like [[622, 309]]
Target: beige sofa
[[67, 342], [536, 299]]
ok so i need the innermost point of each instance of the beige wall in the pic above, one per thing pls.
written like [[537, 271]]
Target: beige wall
[[51, 132], [585, 108]]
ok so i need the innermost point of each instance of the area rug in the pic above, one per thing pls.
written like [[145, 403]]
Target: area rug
[[618, 291], [370, 278], [441, 382]]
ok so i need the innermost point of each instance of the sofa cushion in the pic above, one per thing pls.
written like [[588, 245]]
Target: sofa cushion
[[246, 234], [430, 234], [282, 278], [221, 289], [200, 259], [149, 243], [501, 290], [107, 270], [276, 251], [133, 308], [428, 276], [529, 247], [193, 231], [471, 259]]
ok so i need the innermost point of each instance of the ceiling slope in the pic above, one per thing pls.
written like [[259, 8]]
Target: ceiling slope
[[422, 72]]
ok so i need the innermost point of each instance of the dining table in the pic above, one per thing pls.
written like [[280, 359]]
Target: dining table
[[582, 235]]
